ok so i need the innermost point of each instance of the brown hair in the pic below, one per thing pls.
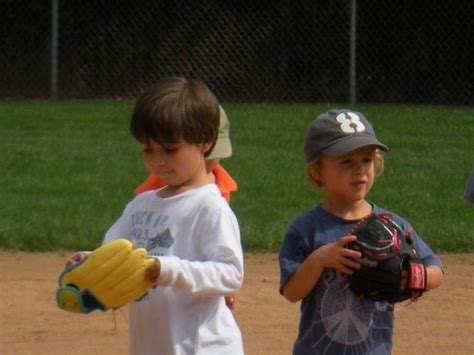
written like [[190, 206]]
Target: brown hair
[[313, 166], [176, 108]]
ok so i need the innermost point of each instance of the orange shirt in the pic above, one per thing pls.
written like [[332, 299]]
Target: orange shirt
[[224, 182]]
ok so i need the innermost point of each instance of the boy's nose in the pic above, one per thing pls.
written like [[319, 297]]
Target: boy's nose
[[156, 160], [359, 166]]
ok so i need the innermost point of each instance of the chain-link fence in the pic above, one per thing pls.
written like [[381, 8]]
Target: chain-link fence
[[245, 50]]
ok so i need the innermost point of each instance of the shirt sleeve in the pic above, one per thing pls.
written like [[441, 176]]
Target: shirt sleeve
[[295, 249], [219, 269], [426, 254]]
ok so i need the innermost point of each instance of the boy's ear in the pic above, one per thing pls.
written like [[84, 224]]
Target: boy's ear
[[313, 175], [206, 146]]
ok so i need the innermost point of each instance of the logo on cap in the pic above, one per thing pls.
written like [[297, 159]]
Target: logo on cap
[[350, 122]]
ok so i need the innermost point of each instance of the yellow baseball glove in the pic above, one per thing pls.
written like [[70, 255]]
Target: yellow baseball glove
[[110, 277]]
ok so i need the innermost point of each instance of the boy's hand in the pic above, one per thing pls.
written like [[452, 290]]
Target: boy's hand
[[337, 256], [152, 272], [76, 258], [230, 301], [333, 255], [111, 276]]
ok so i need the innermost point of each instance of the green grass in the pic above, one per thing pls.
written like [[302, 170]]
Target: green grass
[[69, 167]]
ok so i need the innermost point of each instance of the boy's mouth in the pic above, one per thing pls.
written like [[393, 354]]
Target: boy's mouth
[[358, 183]]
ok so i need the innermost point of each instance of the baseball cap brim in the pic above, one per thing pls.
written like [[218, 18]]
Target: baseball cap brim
[[352, 142], [222, 149]]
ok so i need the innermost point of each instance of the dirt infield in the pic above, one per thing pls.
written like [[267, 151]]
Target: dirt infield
[[30, 323]]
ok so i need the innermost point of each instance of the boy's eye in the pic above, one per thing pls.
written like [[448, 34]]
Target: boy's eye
[[169, 150]]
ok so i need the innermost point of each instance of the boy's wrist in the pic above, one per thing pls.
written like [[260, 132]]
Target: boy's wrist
[[316, 260]]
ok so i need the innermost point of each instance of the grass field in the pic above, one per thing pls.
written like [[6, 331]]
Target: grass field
[[69, 167]]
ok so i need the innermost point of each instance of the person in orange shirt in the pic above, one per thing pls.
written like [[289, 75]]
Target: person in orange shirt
[[216, 173]]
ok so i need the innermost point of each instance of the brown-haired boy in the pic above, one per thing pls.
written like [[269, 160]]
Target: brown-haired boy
[[186, 226]]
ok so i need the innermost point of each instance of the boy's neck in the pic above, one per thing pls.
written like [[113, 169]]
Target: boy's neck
[[356, 210], [211, 177]]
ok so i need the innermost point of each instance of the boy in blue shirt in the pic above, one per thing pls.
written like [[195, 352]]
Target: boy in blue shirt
[[343, 158]]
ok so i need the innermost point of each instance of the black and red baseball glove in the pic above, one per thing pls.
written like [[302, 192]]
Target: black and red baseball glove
[[391, 269]]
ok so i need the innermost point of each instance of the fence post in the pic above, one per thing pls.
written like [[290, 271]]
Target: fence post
[[54, 50], [352, 59]]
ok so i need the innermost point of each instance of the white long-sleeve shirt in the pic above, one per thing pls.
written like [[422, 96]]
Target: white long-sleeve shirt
[[195, 235]]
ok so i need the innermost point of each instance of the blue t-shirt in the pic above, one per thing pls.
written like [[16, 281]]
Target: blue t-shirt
[[334, 320]]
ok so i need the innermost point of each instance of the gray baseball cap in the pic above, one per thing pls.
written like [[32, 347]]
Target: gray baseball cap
[[338, 132]]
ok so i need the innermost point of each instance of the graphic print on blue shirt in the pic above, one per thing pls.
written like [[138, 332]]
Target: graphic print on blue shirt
[[344, 324]]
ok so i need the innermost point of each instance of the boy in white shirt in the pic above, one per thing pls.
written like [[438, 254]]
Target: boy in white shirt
[[187, 226]]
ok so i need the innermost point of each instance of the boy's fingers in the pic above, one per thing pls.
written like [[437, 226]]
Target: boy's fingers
[[353, 264], [344, 269], [69, 262], [346, 239], [353, 254], [74, 259], [152, 272], [230, 301], [350, 262]]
